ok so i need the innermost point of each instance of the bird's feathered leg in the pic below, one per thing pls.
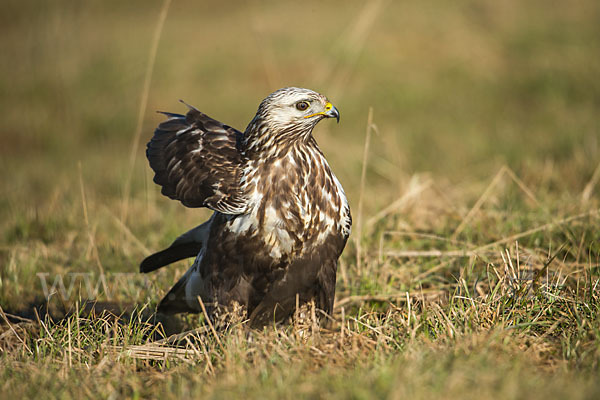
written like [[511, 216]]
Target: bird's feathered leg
[[312, 277], [185, 246]]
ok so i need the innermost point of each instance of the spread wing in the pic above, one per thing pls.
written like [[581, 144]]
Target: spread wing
[[197, 160]]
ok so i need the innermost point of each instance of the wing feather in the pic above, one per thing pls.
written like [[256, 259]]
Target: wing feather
[[198, 161]]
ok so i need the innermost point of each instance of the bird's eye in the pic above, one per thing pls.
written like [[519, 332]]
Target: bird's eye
[[302, 105]]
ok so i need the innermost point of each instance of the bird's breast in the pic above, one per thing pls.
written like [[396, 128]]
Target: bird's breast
[[296, 203]]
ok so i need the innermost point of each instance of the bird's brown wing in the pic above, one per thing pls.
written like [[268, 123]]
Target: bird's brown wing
[[197, 160], [185, 246]]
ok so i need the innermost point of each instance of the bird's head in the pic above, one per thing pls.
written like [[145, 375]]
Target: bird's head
[[289, 114]]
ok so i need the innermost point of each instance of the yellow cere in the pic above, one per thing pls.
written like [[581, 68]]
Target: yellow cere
[[328, 107]]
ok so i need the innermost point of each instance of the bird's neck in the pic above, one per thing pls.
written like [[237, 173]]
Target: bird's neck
[[262, 142]]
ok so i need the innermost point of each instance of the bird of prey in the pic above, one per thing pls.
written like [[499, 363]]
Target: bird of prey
[[281, 218]]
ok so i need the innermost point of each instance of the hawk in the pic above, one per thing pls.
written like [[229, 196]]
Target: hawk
[[281, 218]]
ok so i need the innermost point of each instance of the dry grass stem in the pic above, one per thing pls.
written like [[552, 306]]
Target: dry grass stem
[[363, 178], [135, 142], [589, 187]]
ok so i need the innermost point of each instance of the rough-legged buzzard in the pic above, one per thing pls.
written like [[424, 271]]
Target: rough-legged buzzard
[[281, 218]]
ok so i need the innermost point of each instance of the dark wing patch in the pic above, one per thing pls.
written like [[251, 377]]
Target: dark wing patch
[[197, 161], [169, 255], [187, 245]]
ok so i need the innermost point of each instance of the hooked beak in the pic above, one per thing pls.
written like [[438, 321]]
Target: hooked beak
[[330, 112]]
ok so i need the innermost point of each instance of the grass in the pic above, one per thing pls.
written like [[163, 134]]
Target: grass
[[475, 271]]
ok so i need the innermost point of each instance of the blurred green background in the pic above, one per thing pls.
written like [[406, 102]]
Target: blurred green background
[[458, 89]]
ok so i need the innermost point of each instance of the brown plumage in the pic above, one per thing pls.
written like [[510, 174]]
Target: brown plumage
[[281, 217]]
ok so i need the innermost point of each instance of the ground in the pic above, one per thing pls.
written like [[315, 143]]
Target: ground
[[468, 147]]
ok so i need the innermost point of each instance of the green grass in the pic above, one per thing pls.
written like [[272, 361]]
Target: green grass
[[479, 269]]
